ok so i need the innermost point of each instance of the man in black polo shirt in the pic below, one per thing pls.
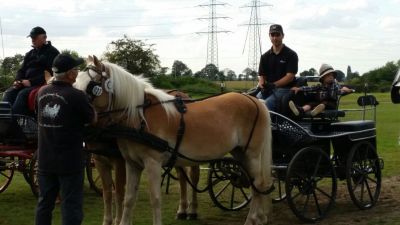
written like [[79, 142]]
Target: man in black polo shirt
[[63, 112], [278, 67]]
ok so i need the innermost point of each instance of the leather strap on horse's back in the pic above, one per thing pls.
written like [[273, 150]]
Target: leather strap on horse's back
[[254, 122]]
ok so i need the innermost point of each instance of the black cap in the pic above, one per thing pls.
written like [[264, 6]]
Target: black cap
[[275, 28], [36, 31], [64, 62]]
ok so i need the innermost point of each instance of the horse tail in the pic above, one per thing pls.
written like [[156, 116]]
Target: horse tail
[[266, 151]]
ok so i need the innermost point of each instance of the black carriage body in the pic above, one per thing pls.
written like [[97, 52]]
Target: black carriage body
[[16, 129]]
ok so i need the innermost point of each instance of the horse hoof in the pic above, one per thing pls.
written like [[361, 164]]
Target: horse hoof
[[192, 216], [181, 216]]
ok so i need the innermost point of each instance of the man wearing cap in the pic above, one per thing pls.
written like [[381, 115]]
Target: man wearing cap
[[63, 112], [277, 69], [31, 74]]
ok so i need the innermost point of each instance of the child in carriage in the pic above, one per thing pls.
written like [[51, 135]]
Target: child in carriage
[[322, 96]]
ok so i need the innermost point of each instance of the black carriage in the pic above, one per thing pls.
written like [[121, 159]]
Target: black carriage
[[309, 156]]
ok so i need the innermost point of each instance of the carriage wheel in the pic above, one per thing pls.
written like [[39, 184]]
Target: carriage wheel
[[279, 194], [363, 175], [33, 175], [93, 175], [309, 195], [229, 185], [6, 173]]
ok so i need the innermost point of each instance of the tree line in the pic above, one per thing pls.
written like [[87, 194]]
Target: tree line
[[137, 57]]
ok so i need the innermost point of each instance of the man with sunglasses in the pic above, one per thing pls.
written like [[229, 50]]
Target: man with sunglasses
[[277, 69], [31, 74]]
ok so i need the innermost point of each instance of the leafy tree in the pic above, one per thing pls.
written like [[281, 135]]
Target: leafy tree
[[230, 75], [180, 69], [309, 73], [352, 75], [9, 68], [199, 74], [210, 71], [134, 55], [249, 73]]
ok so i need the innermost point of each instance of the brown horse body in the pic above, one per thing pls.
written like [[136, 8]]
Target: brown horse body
[[230, 123]]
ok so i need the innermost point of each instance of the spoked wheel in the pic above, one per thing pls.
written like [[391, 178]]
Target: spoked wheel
[[311, 184], [363, 175], [33, 174], [93, 175], [279, 194], [229, 185], [6, 173]]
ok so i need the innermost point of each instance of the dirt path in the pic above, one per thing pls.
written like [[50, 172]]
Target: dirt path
[[387, 210]]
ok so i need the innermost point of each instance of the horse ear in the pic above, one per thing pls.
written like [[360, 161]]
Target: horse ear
[[90, 58], [96, 61]]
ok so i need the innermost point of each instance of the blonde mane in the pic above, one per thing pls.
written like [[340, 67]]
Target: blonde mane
[[129, 92]]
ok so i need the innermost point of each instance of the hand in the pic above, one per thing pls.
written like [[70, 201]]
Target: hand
[[295, 89], [269, 86], [17, 84], [347, 90], [26, 83]]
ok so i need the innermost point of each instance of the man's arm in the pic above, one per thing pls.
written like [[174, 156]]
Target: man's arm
[[284, 81]]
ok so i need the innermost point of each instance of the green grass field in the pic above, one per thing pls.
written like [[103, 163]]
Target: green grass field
[[17, 203]]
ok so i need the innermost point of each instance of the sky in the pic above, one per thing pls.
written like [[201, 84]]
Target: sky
[[364, 34]]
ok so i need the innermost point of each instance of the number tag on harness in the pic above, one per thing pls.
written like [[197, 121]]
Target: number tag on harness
[[108, 86], [97, 90]]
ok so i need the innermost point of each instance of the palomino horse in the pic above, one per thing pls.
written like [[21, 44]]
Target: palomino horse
[[230, 123], [106, 163]]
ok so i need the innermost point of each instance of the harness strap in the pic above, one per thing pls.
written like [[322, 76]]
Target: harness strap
[[254, 122]]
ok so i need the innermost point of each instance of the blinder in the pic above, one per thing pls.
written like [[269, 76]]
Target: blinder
[[94, 89]]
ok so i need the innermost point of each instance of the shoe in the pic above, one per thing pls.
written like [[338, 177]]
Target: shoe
[[318, 109], [294, 108]]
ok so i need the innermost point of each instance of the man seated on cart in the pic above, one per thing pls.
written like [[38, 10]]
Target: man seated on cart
[[31, 75], [321, 96]]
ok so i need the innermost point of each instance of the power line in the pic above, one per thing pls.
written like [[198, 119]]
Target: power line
[[212, 42], [254, 34]]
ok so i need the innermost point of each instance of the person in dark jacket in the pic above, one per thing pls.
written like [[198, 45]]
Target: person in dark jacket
[[31, 74], [62, 112]]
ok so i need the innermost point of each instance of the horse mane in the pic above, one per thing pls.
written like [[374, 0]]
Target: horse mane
[[129, 92]]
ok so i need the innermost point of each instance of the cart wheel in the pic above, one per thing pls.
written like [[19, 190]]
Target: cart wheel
[[279, 194], [363, 175], [33, 175], [309, 195], [93, 175], [229, 185], [6, 172]]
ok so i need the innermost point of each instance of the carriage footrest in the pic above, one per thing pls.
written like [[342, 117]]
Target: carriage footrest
[[356, 125]]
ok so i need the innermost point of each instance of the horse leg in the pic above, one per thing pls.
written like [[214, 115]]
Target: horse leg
[[133, 174], [183, 202], [261, 204], [194, 177], [104, 170], [120, 181], [153, 169]]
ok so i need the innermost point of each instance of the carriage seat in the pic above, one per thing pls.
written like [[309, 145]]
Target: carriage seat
[[356, 125]]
